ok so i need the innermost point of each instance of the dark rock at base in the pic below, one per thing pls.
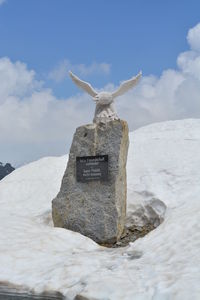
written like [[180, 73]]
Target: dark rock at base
[[130, 235], [79, 297], [13, 292]]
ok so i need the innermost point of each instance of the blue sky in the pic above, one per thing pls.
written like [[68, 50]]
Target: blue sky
[[103, 42], [129, 35]]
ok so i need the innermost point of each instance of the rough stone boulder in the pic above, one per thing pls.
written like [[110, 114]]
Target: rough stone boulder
[[97, 208]]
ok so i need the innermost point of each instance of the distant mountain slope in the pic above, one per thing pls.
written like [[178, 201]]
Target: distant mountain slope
[[5, 170]]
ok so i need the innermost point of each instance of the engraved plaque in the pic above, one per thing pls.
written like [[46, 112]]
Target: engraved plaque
[[92, 168]]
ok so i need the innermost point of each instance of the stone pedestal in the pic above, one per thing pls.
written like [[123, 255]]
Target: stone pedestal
[[96, 209]]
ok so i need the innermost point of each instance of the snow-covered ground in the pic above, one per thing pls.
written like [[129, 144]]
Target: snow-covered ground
[[164, 164]]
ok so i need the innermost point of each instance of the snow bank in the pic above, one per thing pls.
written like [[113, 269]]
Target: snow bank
[[164, 165]]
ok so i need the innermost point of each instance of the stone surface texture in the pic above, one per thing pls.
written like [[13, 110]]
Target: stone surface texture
[[96, 209]]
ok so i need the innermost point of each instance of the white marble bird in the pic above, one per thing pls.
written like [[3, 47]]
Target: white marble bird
[[105, 111]]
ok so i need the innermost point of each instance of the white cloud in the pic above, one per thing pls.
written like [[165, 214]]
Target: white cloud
[[60, 72], [15, 79], [34, 123], [193, 37], [175, 95], [103, 68], [2, 1]]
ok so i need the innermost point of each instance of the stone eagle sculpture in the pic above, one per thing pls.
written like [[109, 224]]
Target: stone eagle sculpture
[[105, 111]]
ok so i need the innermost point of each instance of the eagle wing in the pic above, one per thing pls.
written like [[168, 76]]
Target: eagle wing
[[127, 85], [83, 85]]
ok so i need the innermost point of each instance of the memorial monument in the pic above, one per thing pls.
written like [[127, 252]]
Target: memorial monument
[[92, 197]]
